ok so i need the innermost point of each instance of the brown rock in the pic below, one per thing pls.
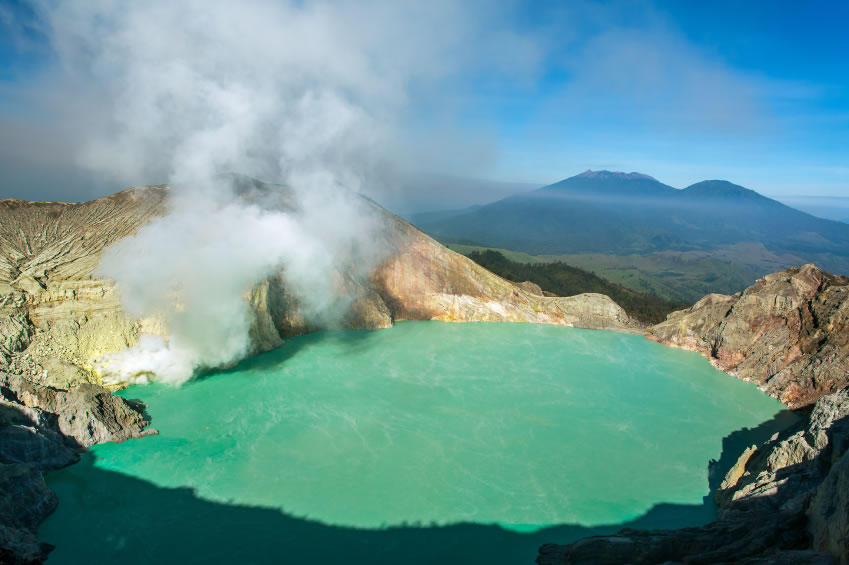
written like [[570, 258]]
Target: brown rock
[[90, 414], [56, 318], [789, 333]]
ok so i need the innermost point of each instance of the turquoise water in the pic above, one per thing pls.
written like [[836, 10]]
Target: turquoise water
[[395, 436]]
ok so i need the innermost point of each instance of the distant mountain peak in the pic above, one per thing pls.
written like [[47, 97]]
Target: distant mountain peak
[[590, 174]]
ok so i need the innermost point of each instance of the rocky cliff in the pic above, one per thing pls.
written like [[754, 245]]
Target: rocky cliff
[[43, 429], [56, 316], [789, 333]]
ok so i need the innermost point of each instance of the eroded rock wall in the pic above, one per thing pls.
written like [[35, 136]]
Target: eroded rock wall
[[57, 317], [789, 333]]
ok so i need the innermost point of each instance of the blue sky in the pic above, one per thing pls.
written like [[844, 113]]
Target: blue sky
[[753, 92]]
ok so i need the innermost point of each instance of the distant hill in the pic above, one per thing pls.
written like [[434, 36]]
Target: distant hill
[[627, 213], [561, 279]]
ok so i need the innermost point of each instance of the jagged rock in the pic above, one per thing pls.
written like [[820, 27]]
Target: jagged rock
[[42, 429], [783, 474], [90, 414], [16, 332], [828, 515], [789, 333]]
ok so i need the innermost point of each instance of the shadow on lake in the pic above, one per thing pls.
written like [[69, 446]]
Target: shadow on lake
[[108, 517], [353, 341]]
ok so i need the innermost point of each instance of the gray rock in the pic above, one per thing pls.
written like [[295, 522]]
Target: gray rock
[[90, 414], [42, 429], [828, 515]]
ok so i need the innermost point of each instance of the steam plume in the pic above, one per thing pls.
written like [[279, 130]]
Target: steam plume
[[306, 95]]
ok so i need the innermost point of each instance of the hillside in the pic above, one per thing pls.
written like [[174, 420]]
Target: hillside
[[561, 279], [601, 212], [675, 276], [56, 317]]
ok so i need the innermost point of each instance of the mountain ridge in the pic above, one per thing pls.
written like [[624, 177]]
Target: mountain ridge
[[626, 213]]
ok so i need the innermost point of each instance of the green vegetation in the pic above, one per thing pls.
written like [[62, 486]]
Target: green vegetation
[[564, 280], [677, 276]]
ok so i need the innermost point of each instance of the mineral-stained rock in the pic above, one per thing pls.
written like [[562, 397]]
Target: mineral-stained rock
[[783, 474], [789, 333], [56, 316]]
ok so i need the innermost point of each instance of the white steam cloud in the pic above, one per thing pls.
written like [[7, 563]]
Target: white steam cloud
[[304, 94]]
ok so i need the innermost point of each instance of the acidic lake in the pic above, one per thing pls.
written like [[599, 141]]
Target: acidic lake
[[426, 443]]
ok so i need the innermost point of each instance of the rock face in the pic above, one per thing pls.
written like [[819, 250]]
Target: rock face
[[89, 414], [56, 317], [789, 333], [784, 502], [43, 429]]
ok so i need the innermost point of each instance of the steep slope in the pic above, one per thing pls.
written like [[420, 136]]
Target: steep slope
[[56, 317], [789, 333], [561, 279], [619, 213], [727, 213]]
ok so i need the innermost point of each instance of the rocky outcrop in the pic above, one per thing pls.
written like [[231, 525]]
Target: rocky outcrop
[[783, 502], [828, 515], [423, 280], [89, 414], [57, 317], [789, 333], [43, 429]]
